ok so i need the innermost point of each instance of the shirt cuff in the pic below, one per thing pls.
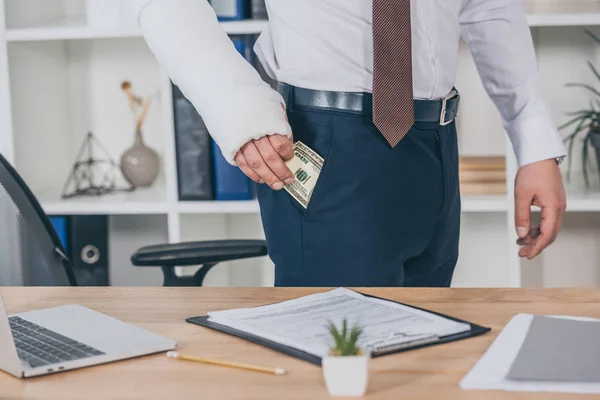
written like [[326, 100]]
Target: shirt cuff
[[531, 130], [534, 138]]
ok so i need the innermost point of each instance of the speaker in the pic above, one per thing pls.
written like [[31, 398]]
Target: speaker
[[88, 237]]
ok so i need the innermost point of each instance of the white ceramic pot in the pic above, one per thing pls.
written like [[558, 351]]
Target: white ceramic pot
[[346, 376]]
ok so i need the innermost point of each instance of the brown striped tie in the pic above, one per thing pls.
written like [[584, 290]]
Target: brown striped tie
[[393, 108]]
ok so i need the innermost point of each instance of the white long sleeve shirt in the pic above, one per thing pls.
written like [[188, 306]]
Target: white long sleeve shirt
[[327, 45]]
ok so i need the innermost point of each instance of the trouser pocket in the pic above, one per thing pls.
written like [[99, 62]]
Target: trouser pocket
[[313, 128], [448, 147]]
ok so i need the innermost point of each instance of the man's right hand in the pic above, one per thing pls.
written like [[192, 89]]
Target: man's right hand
[[263, 160]]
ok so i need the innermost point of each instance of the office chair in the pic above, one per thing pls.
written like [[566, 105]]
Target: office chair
[[31, 253], [207, 254]]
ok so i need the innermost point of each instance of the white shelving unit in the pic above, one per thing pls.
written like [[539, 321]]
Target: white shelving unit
[[69, 29], [59, 78], [553, 13]]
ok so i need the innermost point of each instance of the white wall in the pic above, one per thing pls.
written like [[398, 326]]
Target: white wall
[[126, 234], [38, 76], [6, 138]]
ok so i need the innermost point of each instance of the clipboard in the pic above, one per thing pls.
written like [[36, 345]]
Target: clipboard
[[475, 330]]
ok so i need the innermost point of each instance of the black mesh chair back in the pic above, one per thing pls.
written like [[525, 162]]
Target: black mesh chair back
[[30, 251]]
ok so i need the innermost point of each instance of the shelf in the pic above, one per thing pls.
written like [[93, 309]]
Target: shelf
[[74, 29], [563, 12], [582, 203], [469, 204], [218, 207], [484, 203], [539, 13], [248, 27], [126, 203], [581, 198], [141, 201]]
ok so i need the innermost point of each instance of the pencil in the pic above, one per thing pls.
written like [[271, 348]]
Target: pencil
[[275, 371]]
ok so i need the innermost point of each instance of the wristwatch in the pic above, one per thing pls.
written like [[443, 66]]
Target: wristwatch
[[559, 160]]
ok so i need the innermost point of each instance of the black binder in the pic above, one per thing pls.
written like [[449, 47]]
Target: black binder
[[476, 330], [193, 151], [88, 236]]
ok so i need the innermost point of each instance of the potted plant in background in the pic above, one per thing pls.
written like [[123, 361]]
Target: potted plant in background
[[586, 123], [346, 368]]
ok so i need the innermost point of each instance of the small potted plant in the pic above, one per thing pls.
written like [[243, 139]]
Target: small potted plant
[[586, 124], [346, 368]]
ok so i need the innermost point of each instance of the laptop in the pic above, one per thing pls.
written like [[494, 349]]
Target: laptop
[[68, 337]]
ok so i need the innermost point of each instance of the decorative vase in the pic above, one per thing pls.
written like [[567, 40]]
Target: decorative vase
[[346, 376], [140, 164]]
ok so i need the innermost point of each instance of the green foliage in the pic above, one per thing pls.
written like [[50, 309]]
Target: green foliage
[[345, 341], [585, 122]]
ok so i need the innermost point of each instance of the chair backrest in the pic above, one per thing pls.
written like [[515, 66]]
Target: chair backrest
[[30, 251]]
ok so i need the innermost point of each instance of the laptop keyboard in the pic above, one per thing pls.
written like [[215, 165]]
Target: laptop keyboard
[[40, 346]]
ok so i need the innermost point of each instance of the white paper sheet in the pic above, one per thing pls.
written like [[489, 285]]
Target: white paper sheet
[[490, 370], [302, 323]]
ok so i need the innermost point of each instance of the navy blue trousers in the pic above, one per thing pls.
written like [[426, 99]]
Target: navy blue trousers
[[378, 216]]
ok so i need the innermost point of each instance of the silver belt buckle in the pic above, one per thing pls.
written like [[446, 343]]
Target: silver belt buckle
[[449, 96]]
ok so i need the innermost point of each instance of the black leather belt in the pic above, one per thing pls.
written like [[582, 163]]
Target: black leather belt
[[442, 111]]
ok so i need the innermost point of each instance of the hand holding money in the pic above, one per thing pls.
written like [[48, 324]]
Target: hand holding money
[[274, 160], [263, 160], [306, 166]]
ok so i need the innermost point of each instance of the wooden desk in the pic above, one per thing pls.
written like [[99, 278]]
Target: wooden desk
[[430, 373]]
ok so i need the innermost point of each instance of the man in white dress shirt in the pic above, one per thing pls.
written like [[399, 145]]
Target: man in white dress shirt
[[386, 208]]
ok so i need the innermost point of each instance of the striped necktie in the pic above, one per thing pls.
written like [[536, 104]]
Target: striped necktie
[[393, 108]]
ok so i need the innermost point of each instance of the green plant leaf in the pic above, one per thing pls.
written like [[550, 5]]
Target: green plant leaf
[[580, 127], [571, 139], [580, 113], [584, 159], [583, 86], [354, 334], [570, 164], [594, 71], [571, 122], [345, 341], [583, 125], [591, 34], [573, 135], [335, 334]]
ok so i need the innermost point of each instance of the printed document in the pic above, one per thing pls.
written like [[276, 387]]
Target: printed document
[[302, 323]]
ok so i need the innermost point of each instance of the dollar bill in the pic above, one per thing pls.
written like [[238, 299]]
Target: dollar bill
[[306, 166]]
